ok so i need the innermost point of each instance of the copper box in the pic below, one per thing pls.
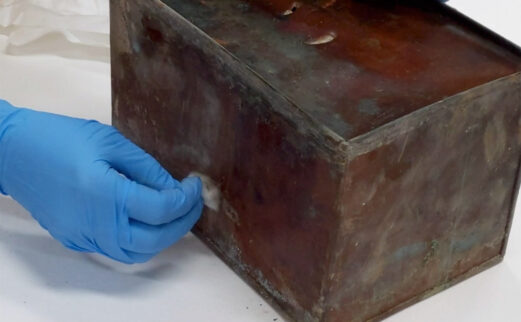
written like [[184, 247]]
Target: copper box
[[367, 151]]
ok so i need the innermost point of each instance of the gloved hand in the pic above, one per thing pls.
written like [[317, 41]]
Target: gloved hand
[[91, 188]]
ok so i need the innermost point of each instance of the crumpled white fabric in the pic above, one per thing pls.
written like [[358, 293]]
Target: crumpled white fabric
[[69, 28]]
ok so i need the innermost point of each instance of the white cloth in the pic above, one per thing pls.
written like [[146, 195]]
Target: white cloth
[[68, 28]]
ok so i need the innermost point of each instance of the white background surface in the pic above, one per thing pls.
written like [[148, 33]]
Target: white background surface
[[42, 281]]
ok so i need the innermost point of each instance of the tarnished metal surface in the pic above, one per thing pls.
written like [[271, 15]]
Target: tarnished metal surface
[[383, 62], [346, 196]]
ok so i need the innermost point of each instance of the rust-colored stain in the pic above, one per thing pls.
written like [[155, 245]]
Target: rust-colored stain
[[367, 152]]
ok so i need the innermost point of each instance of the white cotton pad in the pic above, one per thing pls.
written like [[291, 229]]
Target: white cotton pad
[[211, 192]]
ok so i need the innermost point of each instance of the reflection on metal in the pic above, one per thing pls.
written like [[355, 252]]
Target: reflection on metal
[[324, 39], [292, 9]]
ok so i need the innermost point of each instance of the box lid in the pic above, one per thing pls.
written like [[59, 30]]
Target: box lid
[[356, 65]]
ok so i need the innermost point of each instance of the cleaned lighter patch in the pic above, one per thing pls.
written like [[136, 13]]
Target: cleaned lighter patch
[[494, 140]]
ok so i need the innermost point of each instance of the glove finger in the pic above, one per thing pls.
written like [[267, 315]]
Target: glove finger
[[157, 207], [136, 164], [149, 239]]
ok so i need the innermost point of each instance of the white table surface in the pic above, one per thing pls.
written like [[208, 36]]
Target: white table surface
[[42, 281]]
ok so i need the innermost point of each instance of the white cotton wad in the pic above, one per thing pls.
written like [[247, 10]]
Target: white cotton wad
[[211, 193]]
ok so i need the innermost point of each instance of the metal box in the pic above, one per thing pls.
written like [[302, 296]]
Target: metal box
[[367, 151]]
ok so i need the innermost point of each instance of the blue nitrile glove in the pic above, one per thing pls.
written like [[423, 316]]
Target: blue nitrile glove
[[91, 188]]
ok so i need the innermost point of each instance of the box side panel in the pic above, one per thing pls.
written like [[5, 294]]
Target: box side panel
[[426, 201], [192, 106]]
